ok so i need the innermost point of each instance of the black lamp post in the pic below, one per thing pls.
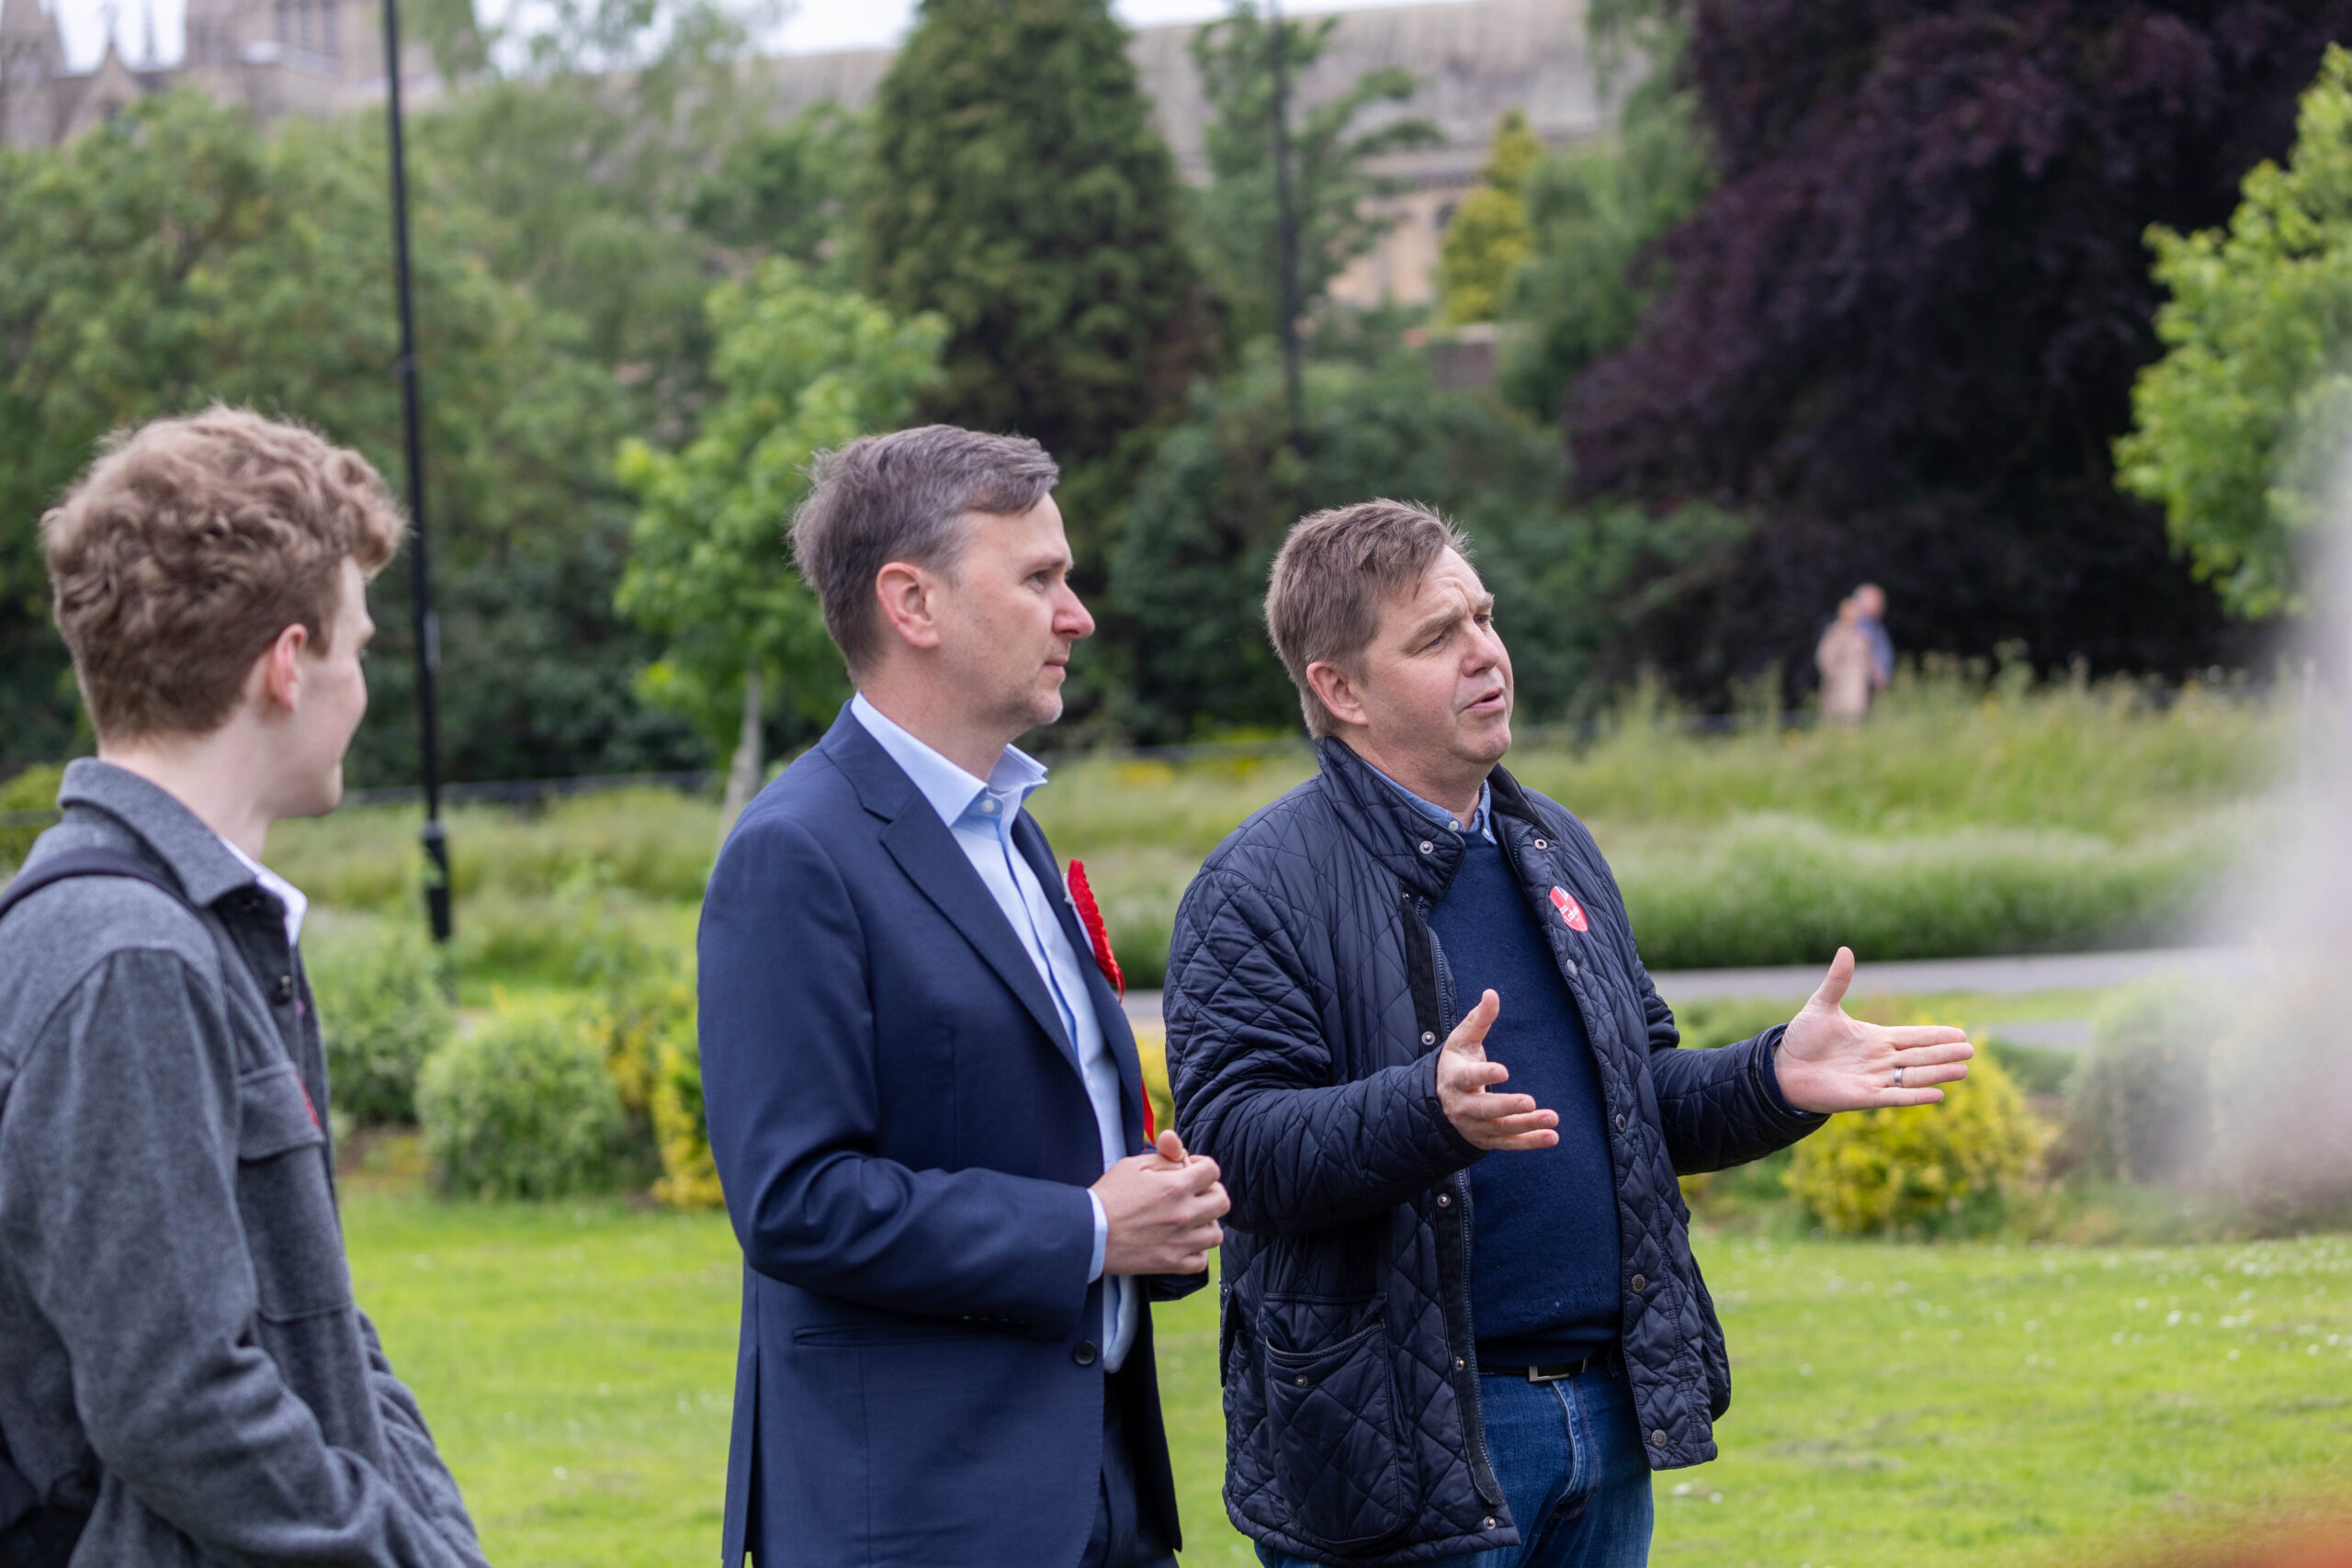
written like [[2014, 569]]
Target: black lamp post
[[428, 627], [1285, 226]]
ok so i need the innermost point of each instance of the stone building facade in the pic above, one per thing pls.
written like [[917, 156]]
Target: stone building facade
[[1475, 59], [276, 56]]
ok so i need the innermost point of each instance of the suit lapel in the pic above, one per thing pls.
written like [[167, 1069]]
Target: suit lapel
[[1117, 1036], [936, 864]]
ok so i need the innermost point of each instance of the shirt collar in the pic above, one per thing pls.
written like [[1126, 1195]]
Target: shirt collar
[[1444, 818], [297, 903], [953, 792]]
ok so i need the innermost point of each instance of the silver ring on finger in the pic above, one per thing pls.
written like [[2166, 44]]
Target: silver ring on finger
[[1898, 1075]]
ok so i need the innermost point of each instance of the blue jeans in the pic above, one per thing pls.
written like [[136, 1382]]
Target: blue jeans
[[1573, 1469]]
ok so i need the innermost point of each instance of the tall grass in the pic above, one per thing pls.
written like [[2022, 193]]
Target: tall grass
[[1971, 815]]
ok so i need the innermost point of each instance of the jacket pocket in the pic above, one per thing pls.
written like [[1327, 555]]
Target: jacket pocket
[[1332, 1411], [853, 1335], [285, 1201]]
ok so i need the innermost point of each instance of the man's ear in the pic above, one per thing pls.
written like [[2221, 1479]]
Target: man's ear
[[1337, 690], [904, 592], [276, 679]]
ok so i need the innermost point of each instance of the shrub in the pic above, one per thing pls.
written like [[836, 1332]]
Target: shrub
[[1783, 890], [689, 1177], [1926, 1170], [382, 1009], [35, 789], [2143, 1108], [643, 1025], [2282, 1094], [524, 1108]]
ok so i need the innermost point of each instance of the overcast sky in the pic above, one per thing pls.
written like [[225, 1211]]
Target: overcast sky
[[813, 25]]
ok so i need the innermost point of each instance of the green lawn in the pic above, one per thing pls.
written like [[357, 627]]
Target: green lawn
[[1898, 1404]]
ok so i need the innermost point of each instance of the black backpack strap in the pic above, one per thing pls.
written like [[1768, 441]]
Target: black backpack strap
[[85, 862]]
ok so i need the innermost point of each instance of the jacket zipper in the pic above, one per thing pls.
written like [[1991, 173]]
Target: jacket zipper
[[1473, 1429]]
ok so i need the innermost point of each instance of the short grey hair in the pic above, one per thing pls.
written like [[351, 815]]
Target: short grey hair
[[1333, 575], [902, 497]]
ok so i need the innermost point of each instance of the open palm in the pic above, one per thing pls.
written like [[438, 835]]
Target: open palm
[[1828, 1061]]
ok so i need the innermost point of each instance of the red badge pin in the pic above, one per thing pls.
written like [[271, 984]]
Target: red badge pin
[[1570, 910]]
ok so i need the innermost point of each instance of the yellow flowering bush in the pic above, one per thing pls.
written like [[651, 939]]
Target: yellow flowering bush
[[644, 1026], [1923, 1169]]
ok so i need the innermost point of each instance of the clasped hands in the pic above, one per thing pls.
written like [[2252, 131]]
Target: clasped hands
[[1827, 1061], [1163, 1207]]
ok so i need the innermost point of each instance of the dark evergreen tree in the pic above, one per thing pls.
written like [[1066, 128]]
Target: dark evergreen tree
[[1015, 185], [1901, 333]]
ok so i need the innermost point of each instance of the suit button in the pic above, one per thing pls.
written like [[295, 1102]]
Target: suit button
[[1640, 1285], [1621, 1124], [1301, 1380], [1446, 1199], [284, 991], [1459, 1364], [1541, 845], [1490, 1521], [1427, 1038], [1083, 1352], [1658, 1440], [1570, 965]]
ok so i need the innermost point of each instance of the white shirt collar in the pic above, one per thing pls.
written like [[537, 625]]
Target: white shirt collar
[[953, 792], [297, 902]]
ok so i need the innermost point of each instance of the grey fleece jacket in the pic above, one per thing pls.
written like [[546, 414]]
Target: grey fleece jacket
[[179, 1350]]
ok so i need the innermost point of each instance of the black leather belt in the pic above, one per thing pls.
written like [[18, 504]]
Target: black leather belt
[[1559, 1371]]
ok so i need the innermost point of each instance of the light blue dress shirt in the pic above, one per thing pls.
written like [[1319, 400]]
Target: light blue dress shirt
[[1478, 824], [980, 814]]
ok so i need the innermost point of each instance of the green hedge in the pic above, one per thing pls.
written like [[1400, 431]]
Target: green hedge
[[1778, 890], [524, 1106], [383, 1008]]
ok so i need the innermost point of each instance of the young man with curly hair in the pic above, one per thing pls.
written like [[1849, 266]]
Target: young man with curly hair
[[185, 1377]]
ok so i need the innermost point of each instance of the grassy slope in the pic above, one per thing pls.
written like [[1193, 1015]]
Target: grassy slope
[[1910, 1405]]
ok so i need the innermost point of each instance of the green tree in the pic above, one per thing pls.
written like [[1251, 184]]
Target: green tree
[[1333, 189], [177, 258], [1015, 185], [2240, 426], [611, 155], [802, 368], [1488, 236], [1190, 568], [1592, 214]]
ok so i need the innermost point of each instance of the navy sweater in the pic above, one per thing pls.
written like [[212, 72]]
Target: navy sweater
[[1544, 1257]]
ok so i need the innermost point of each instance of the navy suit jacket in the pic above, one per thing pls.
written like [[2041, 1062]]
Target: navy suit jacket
[[905, 1140]]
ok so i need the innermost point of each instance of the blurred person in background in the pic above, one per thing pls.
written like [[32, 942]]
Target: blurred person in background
[[1849, 669], [1462, 1321], [184, 1375], [1871, 600], [924, 1101]]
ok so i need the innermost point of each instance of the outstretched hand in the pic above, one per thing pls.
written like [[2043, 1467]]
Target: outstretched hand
[[1466, 1081], [1830, 1062]]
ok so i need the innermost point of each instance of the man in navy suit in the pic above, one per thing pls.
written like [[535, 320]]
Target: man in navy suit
[[923, 1099]]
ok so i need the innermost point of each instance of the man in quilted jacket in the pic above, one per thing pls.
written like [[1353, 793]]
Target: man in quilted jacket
[[1460, 1315]]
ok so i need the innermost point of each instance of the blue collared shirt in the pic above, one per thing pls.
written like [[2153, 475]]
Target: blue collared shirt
[[1479, 823], [980, 816]]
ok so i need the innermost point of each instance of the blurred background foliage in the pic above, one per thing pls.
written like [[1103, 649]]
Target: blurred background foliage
[[1848, 291]]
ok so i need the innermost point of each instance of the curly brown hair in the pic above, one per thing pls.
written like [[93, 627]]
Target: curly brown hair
[[191, 543]]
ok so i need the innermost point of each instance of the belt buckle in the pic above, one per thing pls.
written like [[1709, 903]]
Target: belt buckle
[[1537, 1374]]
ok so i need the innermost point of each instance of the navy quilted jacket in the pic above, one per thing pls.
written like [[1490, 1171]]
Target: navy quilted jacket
[[1305, 1000]]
